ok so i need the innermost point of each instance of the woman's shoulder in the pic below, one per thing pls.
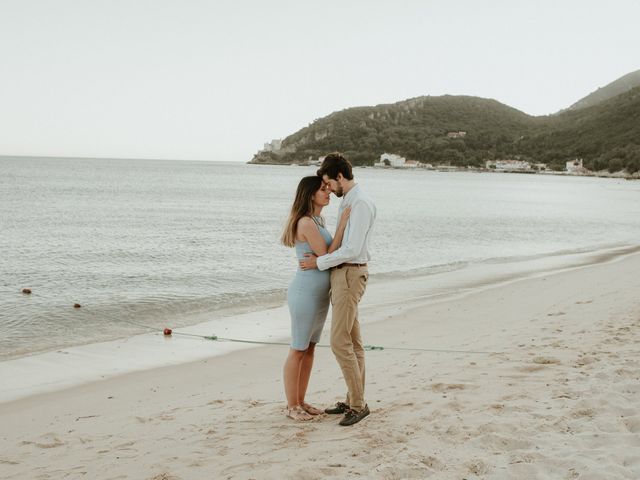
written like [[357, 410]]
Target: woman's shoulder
[[304, 228], [306, 222]]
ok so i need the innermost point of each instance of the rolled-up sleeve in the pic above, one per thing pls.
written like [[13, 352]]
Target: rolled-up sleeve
[[358, 226]]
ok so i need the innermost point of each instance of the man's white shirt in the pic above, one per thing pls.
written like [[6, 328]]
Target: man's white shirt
[[355, 242]]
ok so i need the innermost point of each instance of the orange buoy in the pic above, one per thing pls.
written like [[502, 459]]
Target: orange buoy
[[167, 331]]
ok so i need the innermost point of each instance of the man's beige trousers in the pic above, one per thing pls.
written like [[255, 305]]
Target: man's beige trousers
[[348, 284]]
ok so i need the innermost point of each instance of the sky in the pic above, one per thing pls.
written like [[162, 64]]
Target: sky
[[215, 80]]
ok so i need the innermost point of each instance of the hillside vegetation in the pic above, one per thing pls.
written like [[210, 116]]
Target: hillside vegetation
[[606, 135]]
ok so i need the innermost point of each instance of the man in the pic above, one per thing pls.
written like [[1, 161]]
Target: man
[[349, 276]]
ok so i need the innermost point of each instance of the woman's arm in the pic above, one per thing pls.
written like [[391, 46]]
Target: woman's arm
[[342, 226]]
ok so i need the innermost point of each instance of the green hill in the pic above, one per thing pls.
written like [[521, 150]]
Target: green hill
[[615, 88], [606, 135], [415, 128]]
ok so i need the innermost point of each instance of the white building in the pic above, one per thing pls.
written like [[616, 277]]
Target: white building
[[391, 160], [273, 146], [460, 134], [317, 162], [509, 165], [575, 165]]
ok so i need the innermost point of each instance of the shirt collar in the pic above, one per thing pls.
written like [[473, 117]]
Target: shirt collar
[[351, 193]]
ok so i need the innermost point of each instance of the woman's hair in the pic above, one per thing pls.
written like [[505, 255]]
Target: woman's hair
[[302, 206]]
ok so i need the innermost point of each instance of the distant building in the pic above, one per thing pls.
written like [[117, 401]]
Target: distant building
[[509, 165], [411, 164], [272, 146], [456, 134], [575, 165], [391, 160]]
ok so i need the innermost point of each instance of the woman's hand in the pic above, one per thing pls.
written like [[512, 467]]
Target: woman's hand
[[344, 218], [342, 226]]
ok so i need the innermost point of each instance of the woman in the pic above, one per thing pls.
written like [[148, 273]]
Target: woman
[[308, 294]]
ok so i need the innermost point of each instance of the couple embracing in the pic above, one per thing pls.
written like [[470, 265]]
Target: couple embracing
[[331, 269]]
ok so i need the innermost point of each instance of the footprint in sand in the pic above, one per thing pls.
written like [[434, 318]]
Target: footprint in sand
[[445, 387], [531, 368], [586, 360], [48, 440], [455, 406], [522, 458], [546, 360], [477, 467], [125, 446], [583, 412], [632, 424], [433, 463], [164, 476], [563, 395], [163, 417]]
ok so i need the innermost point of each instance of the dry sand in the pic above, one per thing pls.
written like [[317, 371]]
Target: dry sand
[[551, 391]]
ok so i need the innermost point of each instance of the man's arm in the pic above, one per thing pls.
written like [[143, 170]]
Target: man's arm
[[354, 237]]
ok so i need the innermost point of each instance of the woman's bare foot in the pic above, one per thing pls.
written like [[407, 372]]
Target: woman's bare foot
[[298, 414], [311, 410]]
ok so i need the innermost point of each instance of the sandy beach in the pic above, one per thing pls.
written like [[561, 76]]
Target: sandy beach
[[525, 376]]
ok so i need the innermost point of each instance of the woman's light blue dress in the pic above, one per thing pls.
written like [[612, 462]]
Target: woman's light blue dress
[[308, 297]]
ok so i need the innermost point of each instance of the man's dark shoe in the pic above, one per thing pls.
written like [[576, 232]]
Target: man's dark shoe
[[352, 416], [339, 409]]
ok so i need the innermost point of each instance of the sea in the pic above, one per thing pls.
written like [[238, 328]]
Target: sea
[[140, 244]]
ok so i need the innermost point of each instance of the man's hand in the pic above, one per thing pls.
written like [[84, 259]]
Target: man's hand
[[309, 262]]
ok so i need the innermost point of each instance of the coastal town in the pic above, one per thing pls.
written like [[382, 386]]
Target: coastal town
[[508, 165]]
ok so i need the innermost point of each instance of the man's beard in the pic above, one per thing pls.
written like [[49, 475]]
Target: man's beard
[[339, 192]]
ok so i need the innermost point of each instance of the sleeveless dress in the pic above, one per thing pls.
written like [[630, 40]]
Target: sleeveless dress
[[308, 297]]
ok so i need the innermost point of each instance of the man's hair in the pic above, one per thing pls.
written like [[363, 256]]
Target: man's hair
[[333, 164]]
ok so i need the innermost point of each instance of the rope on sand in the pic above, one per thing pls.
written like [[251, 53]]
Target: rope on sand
[[216, 338]]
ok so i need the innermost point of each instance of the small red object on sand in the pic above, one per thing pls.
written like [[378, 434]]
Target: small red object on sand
[[167, 331]]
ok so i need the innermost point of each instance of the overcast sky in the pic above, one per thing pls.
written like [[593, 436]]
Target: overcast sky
[[214, 80]]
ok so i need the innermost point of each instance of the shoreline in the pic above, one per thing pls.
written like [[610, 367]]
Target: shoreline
[[532, 377], [453, 169], [275, 298], [69, 367]]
